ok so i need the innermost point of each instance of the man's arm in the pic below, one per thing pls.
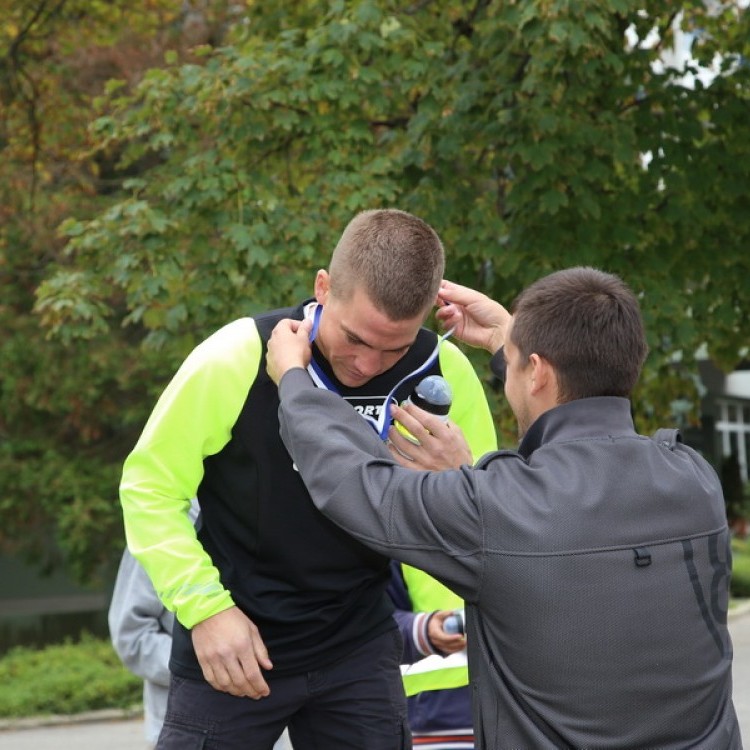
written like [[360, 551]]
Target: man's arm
[[475, 318], [422, 632], [469, 432], [193, 419], [353, 479], [478, 321]]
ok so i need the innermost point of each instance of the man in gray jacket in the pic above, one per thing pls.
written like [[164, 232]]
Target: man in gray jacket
[[594, 561], [141, 631]]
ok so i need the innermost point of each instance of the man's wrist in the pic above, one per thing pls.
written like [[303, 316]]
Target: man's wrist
[[496, 342], [295, 378]]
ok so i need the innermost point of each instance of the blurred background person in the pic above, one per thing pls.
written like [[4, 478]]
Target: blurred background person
[[439, 699], [140, 627]]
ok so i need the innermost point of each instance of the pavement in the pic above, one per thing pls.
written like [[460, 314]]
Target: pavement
[[739, 629], [98, 730], [117, 730]]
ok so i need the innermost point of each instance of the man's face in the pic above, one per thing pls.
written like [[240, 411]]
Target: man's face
[[516, 384], [359, 341]]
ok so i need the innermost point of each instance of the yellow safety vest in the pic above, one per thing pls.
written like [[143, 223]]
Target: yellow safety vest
[[433, 672]]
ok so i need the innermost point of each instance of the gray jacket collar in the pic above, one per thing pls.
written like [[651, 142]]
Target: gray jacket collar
[[601, 416]]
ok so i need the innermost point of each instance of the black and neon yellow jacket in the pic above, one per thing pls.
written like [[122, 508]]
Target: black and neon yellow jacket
[[313, 591]]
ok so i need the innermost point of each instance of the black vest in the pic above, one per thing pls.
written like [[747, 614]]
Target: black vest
[[314, 592]]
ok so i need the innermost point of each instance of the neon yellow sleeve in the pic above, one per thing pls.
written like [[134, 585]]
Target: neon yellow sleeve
[[470, 410], [192, 419]]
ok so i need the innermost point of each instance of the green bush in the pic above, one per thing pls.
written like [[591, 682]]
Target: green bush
[[87, 675], [65, 679], [740, 586]]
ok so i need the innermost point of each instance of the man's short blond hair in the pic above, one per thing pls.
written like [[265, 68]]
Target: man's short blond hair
[[394, 257]]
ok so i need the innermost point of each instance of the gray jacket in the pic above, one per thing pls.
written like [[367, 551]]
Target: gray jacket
[[594, 563], [140, 627], [141, 631]]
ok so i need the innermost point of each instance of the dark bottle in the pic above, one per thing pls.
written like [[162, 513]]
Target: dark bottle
[[433, 394]]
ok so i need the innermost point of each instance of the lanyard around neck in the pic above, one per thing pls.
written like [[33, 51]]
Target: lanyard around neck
[[382, 423]]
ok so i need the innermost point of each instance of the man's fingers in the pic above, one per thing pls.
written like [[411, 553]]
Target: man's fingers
[[231, 653], [261, 652], [400, 457], [451, 292], [254, 684], [421, 427], [438, 445], [249, 675], [219, 678], [399, 446], [240, 678]]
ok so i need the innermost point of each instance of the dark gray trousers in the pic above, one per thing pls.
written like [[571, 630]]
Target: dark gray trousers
[[357, 703]]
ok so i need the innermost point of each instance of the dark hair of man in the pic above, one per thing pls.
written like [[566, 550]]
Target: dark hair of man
[[587, 324], [396, 258]]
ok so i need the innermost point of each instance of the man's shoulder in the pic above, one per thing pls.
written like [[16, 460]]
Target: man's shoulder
[[266, 321], [248, 328], [234, 333], [234, 346]]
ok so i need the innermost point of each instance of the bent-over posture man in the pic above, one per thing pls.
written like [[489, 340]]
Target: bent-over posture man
[[282, 618]]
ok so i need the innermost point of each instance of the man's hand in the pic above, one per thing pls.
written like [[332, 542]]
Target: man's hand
[[231, 654], [446, 643], [477, 319], [442, 445], [288, 347]]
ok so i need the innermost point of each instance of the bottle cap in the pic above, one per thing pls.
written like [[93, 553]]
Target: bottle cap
[[454, 623], [433, 394]]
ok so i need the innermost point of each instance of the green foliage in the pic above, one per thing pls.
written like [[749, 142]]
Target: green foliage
[[215, 183], [740, 585], [65, 679], [66, 404], [736, 496], [516, 129]]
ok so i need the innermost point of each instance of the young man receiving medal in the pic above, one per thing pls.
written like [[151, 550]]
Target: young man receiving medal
[[282, 618]]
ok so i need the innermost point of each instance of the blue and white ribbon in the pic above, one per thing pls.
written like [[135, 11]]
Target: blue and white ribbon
[[382, 423]]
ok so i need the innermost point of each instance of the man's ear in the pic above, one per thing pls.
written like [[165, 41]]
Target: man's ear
[[322, 286], [542, 375]]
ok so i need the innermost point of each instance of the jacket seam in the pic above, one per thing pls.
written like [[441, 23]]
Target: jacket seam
[[612, 548]]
